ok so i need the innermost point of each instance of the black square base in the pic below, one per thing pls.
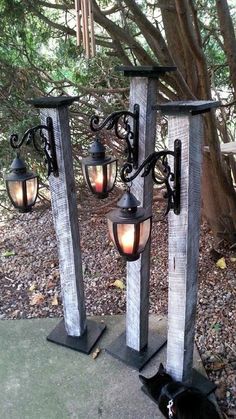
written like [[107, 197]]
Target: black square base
[[136, 359], [83, 343], [202, 383]]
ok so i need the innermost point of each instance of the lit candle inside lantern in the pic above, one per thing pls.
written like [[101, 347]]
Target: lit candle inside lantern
[[99, 182], [19, 197], [127, 241], [16, 192]]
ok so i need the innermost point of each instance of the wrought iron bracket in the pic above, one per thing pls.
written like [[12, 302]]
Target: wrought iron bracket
[[158, 160], [130, 136], [47, 144]]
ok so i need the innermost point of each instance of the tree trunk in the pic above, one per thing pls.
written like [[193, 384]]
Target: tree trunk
[[228, 34]]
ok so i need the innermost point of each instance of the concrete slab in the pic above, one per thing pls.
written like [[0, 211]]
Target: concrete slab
[[42, 380]]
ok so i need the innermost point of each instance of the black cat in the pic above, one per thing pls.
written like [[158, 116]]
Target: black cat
[[177, 400]]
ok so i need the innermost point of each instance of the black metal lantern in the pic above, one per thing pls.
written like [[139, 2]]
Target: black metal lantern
[[22, 186], [129, 227], [99, 170]]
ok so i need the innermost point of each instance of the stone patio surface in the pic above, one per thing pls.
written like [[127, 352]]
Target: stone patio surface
[[42, 380]]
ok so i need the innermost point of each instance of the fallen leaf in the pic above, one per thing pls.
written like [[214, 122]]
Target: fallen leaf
[[37, 299], [96, 353], [50, 284], [217, 327], [8, 253], [55, 301], [221, 263], [33, 286], [15, 313], [218, 366], [233, 259], [118, 284]]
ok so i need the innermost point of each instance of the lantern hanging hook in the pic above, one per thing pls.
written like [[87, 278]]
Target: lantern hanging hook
[[48, 143]]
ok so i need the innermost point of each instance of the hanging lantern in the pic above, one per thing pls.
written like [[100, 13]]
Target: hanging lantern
[[22, 186], [129, 227], [99, 170]]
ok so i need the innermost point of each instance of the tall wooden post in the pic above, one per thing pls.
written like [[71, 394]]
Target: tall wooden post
[[184, 123], [143, 90], [136, 347], [74, 331]]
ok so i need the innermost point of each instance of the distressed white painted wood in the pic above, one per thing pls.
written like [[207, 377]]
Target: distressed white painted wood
[[65, 216], [143, 91], [184, 247]]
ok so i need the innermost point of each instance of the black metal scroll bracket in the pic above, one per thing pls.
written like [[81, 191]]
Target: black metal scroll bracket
[[131, 137], [166, 176], [48, 144]]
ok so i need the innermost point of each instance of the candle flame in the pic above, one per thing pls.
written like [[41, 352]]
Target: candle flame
[[127, 241], [99, 182]]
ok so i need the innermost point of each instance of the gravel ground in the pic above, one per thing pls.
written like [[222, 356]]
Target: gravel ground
[[30, 284]]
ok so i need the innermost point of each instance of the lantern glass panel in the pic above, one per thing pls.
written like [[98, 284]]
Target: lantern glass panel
[[145, 227], [15, 188], [31, 190], [96, 177], [126, 237], [102, 177], [111, 174]]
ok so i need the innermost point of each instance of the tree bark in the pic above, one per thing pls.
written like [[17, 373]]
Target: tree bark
[[228, 34]]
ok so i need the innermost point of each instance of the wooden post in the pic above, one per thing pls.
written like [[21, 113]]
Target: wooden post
[[185, 124], [143, 91], [65, 216]]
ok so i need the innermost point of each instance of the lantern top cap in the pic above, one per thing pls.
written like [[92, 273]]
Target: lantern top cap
[[127, 201], [97, 147], [18, 165], [18, 171]]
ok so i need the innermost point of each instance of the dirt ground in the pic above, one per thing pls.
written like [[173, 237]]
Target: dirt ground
[[30, 283]]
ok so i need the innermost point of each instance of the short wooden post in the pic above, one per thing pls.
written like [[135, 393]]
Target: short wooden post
[[65, 216], [143, 91], [185, 124]]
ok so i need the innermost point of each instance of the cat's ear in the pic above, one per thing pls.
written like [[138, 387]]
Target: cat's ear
[[143, 379], [161, 368]]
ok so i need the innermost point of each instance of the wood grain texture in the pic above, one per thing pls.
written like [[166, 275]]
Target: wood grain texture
[[143, 91], [65, 216], [184, 248]]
